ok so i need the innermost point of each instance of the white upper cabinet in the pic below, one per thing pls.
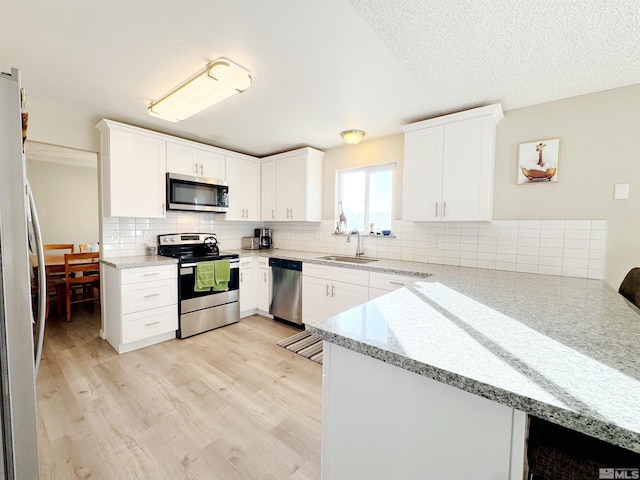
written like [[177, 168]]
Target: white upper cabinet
[[449, 166], [269, 188], [292, 186], [129, 154], [195, 161], [243, 178]]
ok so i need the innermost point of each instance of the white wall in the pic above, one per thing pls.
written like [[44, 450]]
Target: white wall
[[67, 201]]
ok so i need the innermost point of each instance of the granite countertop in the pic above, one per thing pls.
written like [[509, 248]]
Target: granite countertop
[[138, 261], [563, 349], [400, 267]]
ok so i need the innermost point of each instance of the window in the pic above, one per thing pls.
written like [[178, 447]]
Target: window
[[367, 196]]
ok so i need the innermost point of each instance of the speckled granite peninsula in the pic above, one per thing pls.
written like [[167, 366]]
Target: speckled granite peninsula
[[559, 348]]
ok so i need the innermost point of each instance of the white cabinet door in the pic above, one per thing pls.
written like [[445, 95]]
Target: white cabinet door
[[128, 157], [212, 164], [422, 185], [347, 295], [251, 178], [182, 159], [268, 182], [243, 178], [467, 176], [316, 299], [264, 285], [248, 287], [297, 167]]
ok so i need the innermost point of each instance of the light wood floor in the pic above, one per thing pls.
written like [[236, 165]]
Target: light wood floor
[[227, 404]]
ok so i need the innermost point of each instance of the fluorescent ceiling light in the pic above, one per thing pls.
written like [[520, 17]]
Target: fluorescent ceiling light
[[352, 136], [219, 80]]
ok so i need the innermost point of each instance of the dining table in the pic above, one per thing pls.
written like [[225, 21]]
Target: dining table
[[54, 263]]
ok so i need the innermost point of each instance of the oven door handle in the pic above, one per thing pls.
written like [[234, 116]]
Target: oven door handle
[[234, 264]]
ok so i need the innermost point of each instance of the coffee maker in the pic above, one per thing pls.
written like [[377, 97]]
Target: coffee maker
[[264, 234]]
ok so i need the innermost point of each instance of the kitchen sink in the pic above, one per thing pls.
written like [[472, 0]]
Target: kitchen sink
[[337, 258]]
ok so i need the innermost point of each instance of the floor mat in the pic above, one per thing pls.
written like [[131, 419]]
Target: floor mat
[[304, 343]]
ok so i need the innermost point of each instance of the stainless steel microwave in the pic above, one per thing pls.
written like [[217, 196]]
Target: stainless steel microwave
[[197, 194]]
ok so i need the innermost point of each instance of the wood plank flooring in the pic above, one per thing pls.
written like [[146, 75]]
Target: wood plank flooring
[[227, 404]]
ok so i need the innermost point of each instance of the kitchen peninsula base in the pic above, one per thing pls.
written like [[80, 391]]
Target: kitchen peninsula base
[[381, 421]]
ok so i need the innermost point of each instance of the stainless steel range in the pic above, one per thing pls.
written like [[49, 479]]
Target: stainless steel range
[[200, 311]]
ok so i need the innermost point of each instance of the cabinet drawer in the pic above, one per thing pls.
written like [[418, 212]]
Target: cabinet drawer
[[137, 326], [315, 270], [390, 281], [146, 274], [263, 262], [350, 275], [144, 296]]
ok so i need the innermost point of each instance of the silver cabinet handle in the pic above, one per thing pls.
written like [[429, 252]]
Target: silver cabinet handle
[[151, 324], [201, 168], [195, 167], [273, 213], [328, 292], [151, 274], [436, 209], [333, 290], [265, 276], [152, 295], [241, 277], [444, 209], [397, 283]]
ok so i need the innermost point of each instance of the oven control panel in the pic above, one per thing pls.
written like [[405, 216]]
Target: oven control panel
[[183, 238]]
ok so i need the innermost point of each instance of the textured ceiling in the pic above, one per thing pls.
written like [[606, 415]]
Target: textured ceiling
[[318, 66]]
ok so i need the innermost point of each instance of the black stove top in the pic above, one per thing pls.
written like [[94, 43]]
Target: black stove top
[[191, 247]]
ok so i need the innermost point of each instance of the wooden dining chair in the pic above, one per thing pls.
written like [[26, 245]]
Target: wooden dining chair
[[59, 247], [55, 281], [82, 278]]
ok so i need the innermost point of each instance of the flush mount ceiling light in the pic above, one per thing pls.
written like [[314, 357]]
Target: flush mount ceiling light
[[352, 136], [219, 80]]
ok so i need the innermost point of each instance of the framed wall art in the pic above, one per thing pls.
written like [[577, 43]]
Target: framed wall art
[[538, 161]]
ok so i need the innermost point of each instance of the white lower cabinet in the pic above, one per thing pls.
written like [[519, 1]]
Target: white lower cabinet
[[140, 305], [328, 290], [248, 286], [382, 283], [264, 286], [380, 421]]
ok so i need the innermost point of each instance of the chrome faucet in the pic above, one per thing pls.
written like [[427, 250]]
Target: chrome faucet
[[355, 232]]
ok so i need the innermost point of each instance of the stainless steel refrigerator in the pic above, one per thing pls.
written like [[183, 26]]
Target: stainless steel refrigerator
[[17, 353]]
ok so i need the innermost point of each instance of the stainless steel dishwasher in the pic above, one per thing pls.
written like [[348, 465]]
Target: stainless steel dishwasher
[[286, 298]]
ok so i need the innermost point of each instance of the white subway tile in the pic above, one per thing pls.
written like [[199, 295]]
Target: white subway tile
[[552, 225], [489, 264], [548, 233], [529, 224], [528, 233], [527, 259], [575, 263], [596, 255], [598, 234], [487, 248], [574, 272], [577, 225], [576, 243], [469, 255], [506, 258], [579, 253], [524, 250], [549, 270], [595, 274], [551, 242], [466, 262], [507, 224], [508, 266], [529, 241], [507, 249], [527, 268], [550, 261], [577, 234], [487, 256], [550, 252]]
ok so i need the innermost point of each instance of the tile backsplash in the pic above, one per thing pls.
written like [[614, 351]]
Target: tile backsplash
[[574, 248]]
